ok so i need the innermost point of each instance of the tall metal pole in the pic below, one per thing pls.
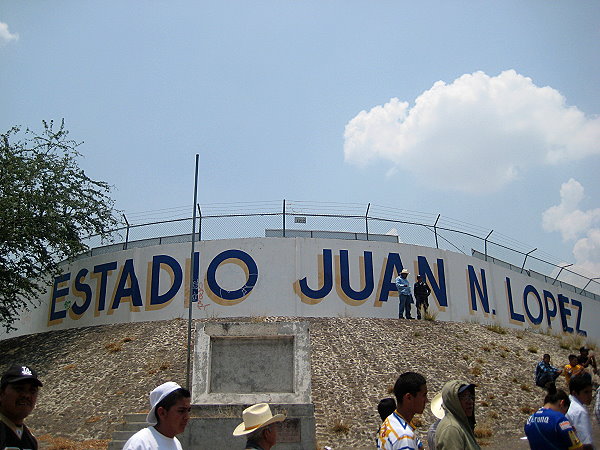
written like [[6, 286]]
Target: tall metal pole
[[189, 330]]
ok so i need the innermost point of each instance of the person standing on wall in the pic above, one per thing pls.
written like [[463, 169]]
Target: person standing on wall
[[422, 292], [404, 295]]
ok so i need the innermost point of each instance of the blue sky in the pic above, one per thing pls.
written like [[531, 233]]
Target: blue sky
[[327, 101]]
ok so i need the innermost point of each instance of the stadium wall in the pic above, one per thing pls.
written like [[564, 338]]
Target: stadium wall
[[300, 277]]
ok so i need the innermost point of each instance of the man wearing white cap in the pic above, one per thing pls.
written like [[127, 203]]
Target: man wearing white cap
[[169, 414], [260, 426]]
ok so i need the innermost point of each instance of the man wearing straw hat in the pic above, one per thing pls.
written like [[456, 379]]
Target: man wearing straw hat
[[404, 295], [169, 414], [260, 426]]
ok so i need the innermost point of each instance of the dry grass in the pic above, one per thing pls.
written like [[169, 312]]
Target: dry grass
[[114, 347], [496, 328], [527, 410], [339, 426], [59, 443], [476, 370], [571, 341], [483, 431], [93, 419], [70, 367], [532, 349], [430, 315], [526, 387]]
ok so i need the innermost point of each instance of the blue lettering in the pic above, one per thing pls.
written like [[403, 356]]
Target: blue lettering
[[176, 279], [345, 276], [564, 312], [58, 293], [133, 291], [511, 308], [249, 267], [481, 290], [85, 289], [103, 270], [550, 313], [579, 306], [327, 271], [393, 267], [438, 286], [529, 289]]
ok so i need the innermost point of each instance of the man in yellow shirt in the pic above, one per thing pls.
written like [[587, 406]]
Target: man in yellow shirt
[[573, 368]]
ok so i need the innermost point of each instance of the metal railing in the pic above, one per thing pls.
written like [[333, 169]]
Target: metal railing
[[343, 221]]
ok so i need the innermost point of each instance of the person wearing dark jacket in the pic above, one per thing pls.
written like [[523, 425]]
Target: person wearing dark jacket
[[422, 292], [456, 429]]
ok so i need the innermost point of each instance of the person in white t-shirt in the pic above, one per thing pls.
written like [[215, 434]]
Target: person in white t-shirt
[[169, 414], [581, 396]]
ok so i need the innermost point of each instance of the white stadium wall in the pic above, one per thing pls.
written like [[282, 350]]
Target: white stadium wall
[[299, 277]]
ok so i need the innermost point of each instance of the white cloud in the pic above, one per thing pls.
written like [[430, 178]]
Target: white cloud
[[566, 217], [577, 225], [476, 134], [5, 35]]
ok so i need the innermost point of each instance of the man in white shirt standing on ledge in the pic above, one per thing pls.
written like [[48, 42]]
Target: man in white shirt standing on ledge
[[169, 414], [581, 396]]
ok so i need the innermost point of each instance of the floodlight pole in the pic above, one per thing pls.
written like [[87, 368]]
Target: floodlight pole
[[189, 330]]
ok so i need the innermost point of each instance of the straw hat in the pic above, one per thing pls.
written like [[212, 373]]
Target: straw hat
[[437, 406], [404, 271], [255, 417]]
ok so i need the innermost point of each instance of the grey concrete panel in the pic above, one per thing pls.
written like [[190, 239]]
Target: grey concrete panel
[[249, 365]]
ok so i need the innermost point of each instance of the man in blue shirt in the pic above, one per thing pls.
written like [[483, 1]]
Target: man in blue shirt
[[404, 294], [545, 373]]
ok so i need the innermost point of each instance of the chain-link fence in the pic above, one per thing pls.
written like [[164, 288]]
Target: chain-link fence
[[289, 218]]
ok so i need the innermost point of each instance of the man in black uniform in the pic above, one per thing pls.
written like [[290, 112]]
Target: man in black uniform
[[421, 291], [18, 393]]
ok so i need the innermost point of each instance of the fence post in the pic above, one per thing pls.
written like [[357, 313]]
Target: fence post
[[367, 220], [126, 233], [561, 269], [199, 222], [591, 279], [485, 240], [284, 217], [526, 255], [435, 231]]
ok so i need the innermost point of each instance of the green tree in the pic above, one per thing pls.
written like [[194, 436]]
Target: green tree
[[48, 205]]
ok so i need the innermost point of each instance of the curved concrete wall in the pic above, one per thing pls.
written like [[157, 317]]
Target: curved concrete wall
[[298, 277]]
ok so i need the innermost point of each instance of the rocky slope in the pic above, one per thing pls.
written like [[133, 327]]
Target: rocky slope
[[93, 376]]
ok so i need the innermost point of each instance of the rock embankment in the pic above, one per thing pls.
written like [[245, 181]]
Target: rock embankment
[[94, 376]]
